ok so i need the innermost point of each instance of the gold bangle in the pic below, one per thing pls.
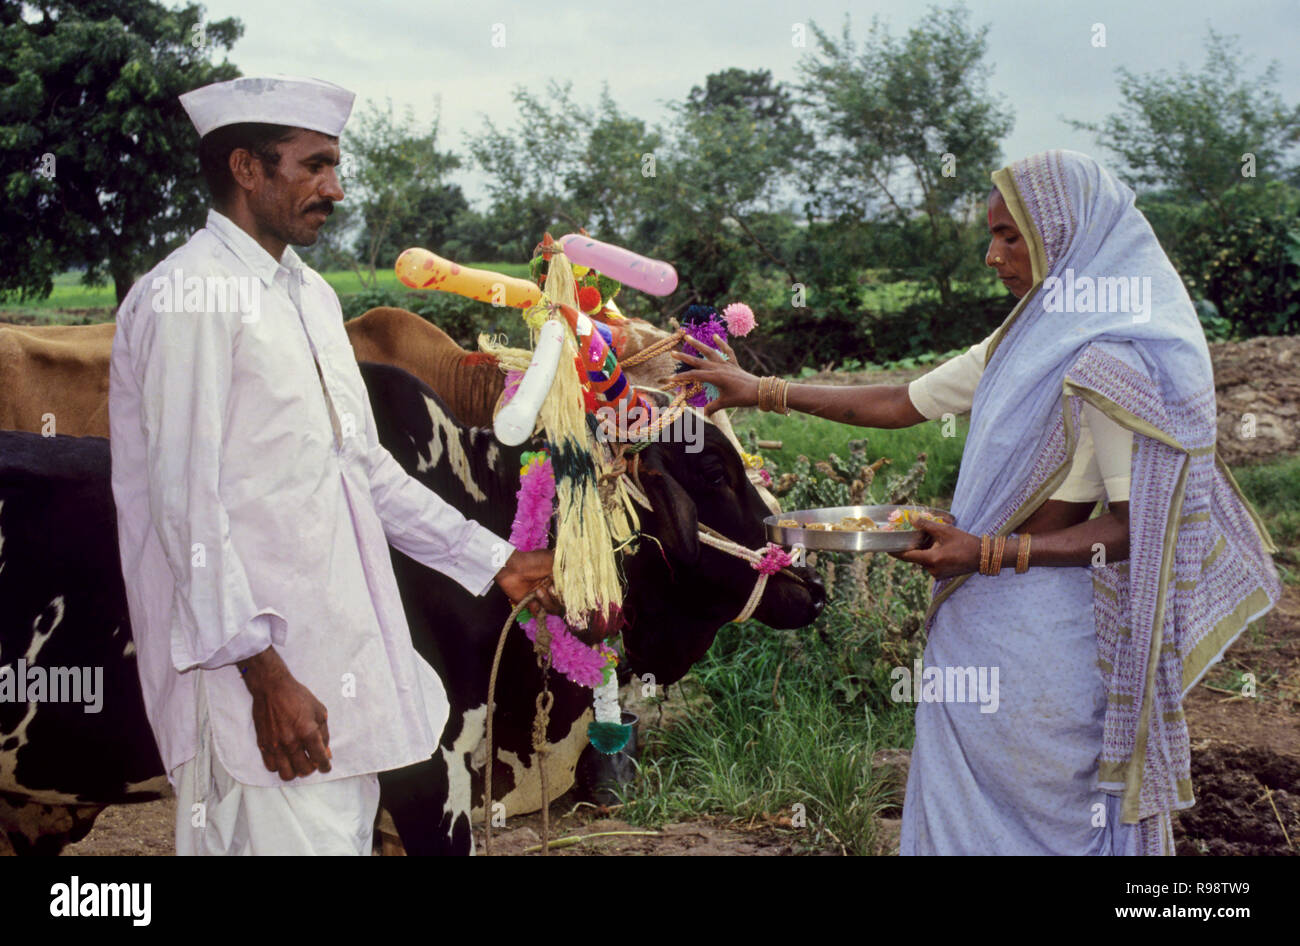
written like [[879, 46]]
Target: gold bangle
[[1022, 555], [986, 542], [999, 549], [762, 394], [785, 387]]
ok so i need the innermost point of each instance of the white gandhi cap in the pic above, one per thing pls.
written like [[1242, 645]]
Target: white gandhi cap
[[275, 100]]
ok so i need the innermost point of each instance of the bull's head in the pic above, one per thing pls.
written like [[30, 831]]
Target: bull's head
[[682, 591]]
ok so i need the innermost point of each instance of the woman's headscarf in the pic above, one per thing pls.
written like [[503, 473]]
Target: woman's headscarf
[[1109, 321]]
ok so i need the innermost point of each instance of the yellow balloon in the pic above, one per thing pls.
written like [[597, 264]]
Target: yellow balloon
[[420, 269]]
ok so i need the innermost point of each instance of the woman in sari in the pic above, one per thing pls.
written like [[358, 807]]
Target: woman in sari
[[1097, 388]]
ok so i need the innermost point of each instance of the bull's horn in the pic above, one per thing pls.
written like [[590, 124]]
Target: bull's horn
[[516, 421]]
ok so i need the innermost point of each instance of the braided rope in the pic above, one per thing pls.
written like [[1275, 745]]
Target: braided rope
[[653, 349]]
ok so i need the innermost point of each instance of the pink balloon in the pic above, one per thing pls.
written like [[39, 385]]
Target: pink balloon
[[631, 269]]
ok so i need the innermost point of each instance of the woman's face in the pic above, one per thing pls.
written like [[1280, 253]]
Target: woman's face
[[1008, 252]]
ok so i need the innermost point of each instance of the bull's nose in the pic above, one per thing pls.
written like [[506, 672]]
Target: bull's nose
[[818, 593], [816, 590]]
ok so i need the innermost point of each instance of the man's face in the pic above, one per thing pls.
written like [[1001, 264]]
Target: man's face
[[291, 201], [1008, 252]]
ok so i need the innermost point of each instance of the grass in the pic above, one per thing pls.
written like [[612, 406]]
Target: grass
[[1274, 489], [761, 745], [781, 719]]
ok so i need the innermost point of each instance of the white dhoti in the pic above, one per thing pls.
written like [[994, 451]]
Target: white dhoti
[[217, 815]]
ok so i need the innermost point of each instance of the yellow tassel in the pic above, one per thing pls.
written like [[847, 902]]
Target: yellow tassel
[[586, 572]]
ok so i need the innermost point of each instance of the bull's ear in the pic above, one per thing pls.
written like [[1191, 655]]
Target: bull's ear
[[674, 509]]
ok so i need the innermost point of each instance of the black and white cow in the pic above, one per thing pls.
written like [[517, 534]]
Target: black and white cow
[[62, 604]]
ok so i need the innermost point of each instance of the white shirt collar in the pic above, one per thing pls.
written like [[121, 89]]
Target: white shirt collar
[[251, 253]]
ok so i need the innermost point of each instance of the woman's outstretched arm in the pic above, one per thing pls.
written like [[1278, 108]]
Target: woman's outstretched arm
[[866, 405]]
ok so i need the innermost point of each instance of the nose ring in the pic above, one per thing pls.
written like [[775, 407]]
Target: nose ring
[[998, 259]]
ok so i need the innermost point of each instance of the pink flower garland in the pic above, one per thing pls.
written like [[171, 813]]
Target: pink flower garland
[[584, 665]]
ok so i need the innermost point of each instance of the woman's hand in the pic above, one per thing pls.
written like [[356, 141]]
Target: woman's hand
[[950, 552], [736, 386]]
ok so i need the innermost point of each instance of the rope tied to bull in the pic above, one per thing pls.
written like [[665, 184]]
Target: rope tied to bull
[[541, 721], [767, 561]]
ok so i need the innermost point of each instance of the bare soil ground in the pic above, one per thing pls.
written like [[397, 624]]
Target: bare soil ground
[[1245, 749]]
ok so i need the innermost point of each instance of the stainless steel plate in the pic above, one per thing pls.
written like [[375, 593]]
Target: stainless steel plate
[[848, 541]]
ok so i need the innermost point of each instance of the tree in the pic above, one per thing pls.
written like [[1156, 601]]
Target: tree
[[561, 165], [396, 177], [98, 160], [737, 148], [1189, 134], [527, 165], [907, 131]]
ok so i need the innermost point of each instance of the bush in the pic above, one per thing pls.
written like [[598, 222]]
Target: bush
[[1248, 265]]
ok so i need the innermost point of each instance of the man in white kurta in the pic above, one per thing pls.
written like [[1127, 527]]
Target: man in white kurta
[[255, 510]]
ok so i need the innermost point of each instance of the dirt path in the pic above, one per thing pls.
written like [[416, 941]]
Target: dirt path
[[1246, 749]]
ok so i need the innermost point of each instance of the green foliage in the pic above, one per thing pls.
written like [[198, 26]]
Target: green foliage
[[575, 167], [395, 178], [759, 745], [1190, 134], [1248, 267], [95, 85], [802, 434], [794, 717], [1274, 490], [907, 135]]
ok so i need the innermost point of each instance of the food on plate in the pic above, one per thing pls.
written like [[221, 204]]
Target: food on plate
[[846, 524], [902, 520]]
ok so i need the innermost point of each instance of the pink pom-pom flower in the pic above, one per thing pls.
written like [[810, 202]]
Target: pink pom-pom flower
[[774, 559], [739, 318]]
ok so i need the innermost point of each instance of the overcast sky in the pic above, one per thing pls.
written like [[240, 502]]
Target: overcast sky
[[1044, 63]]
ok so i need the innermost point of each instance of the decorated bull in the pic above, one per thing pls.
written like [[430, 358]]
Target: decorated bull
[[63, 616]]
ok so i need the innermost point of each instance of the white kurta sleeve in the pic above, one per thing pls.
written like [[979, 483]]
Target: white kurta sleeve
[[420, 523], [950, 388], [1113, 445], [183, 362]]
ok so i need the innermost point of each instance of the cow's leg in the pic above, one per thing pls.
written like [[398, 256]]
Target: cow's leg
[[39, 829], [416, 796]]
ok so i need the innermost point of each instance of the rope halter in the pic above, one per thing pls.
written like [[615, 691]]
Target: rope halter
[[767, 561]]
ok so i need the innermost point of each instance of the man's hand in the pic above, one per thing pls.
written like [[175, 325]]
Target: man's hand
[[289, 720], [528, 571], [950, 552]]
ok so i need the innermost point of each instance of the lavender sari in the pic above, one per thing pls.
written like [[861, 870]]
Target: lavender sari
[[1088, 752]]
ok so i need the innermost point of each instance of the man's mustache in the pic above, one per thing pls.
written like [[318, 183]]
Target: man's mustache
[[325, 205]]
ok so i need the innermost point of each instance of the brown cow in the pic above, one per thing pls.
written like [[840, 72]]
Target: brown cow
[[54, 378]]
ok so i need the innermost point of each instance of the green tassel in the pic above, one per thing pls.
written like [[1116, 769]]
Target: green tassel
[[608, 738], [608, 287]]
